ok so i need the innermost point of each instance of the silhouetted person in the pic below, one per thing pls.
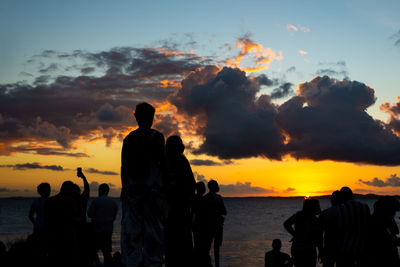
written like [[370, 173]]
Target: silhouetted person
[[83, 229], [276, 258], [143, 172], [178, 235], [330, 222], [307, 234], [103, 211], [61, 220], [381, 235], [197, 219], [36, 212], [36, 216], [354, 217], [211, 214]]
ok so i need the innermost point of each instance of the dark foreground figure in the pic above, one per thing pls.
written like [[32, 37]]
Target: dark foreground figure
[[211, 214], [143, 175], [381, 238], [178, 230], [103, 211], [276, 258], [307, 234]]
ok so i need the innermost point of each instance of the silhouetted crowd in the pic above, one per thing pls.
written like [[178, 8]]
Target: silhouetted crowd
[[343, 235], [168, 218]]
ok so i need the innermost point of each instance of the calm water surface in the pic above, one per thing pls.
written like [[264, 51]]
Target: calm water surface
[[250, 227]]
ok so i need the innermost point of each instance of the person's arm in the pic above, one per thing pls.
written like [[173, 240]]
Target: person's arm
[[288, 224], [86, 190]]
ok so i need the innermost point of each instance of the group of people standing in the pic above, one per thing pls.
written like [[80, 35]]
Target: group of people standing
[[62, 235], [345, 234], [164, 211], [166, 216]]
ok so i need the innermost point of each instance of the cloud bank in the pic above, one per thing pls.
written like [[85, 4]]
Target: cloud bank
[[218, 102]]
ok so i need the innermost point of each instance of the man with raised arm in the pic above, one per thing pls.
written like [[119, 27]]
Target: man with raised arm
[[143, 176]]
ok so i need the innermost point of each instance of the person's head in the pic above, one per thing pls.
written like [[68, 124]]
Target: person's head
[[347, 194], [67, 188], [104, 189], [174, 145], [276, 244], [144, 115], [200, 188], [213, 186], [336, 198], [386, 206], [44, 190], [311, 206]]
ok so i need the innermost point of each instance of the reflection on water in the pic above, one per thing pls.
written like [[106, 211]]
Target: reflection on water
[[250, 227]]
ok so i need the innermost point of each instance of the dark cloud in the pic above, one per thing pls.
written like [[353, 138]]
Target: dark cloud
[[204, 162], [70, 107], [243, 189], [264, 80], [283, 90], [96, 171], [237, 123], [397, 39], [87, 70], [8, 190], [334, 69], [34, 165], [238, 189], [328, 121], [392, 181], [44, 151], [291, 69], [290, 189]]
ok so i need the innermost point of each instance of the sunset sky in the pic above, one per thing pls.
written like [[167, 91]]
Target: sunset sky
[[271, 99]]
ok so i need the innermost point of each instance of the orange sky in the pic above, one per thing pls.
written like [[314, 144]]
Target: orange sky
[[303, 177]]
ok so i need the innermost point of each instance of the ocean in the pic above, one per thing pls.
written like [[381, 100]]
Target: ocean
[[250, 226]]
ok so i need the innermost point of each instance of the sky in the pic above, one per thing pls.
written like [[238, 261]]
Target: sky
[[271, 99]]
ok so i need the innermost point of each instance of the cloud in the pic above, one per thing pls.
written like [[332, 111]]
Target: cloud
[[202, 162], [397, 38], [284, 90], [34, 165], [243, 189], [8, 190], [290, 189], [327, 121], [238, 189], [237, 123], [333, 69], [392, 181], [394, 112], [302, 52], [96, 171], [262, 57], [97, 103], [291, 27], [304, 29], [207, 162]]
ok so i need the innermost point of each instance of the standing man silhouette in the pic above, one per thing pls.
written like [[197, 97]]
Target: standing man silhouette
[[143, 173]]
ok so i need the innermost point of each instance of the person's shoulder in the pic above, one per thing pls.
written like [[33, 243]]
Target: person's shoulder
[[156, 134], [131, 135]]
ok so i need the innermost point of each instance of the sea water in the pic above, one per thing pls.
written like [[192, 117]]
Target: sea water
[[250, 226]]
